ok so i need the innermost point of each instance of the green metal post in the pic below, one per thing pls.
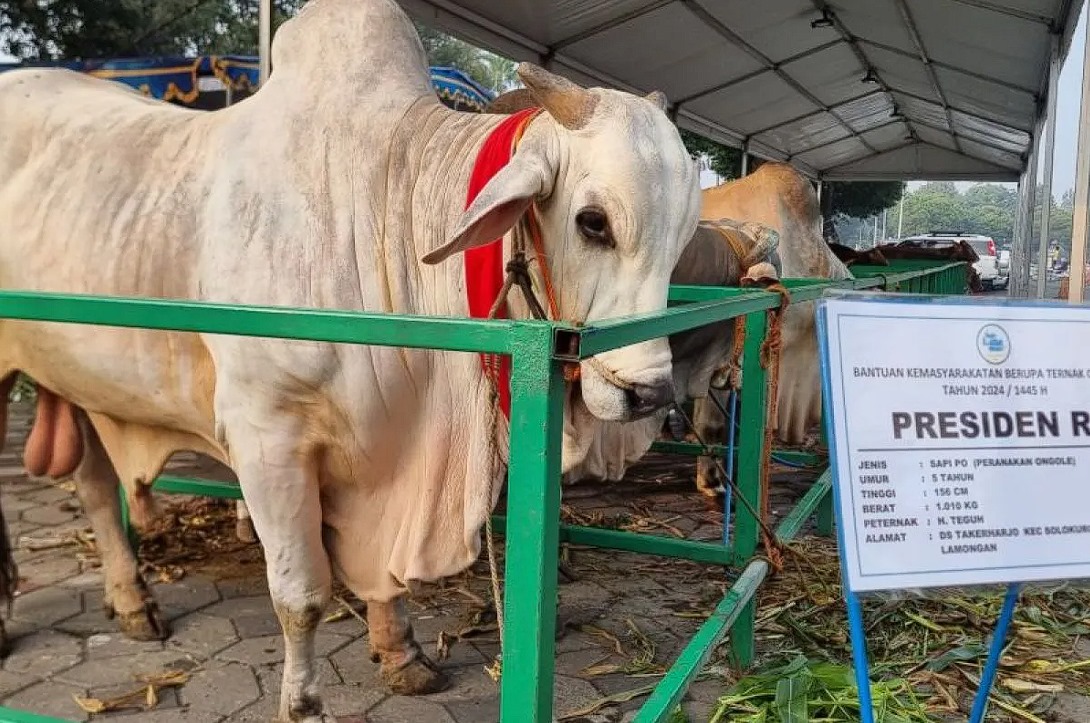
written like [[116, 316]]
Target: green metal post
[[669, 692], [813, 499], [533, 506], [751, 451], [10, 715]]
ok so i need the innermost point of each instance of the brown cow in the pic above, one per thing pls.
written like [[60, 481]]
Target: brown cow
[[850, 257], [956, 251]]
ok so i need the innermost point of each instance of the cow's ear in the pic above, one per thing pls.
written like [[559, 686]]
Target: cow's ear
[[496, 208]]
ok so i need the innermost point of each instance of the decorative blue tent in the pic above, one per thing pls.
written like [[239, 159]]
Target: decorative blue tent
[[177, 79]]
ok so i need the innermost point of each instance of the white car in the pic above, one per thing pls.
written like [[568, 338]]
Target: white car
[[1004, 267], [988, 268]]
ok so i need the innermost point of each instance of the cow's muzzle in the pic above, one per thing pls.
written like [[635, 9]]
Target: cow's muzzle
[[645, 399], [613, 397]]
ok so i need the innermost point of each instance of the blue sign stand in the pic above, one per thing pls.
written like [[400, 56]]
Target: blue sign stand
[[852, 598], [991, 667]]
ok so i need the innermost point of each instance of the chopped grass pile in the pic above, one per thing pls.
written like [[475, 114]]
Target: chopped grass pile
[[925, 652], [806, 691]]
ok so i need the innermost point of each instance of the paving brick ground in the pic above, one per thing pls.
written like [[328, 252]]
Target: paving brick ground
[[226, 638]]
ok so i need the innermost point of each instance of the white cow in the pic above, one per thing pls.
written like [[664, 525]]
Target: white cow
[[777, 197], [322, 190]]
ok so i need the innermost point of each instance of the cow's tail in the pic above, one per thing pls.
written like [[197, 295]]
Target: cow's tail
[[9, 571]]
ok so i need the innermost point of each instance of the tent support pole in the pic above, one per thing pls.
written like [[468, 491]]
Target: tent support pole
[[1050, 157], [1082, 188], [901, 213], [264, 40], [1018, 284]]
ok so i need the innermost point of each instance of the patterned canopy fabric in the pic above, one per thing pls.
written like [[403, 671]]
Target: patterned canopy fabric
[[177, 79]]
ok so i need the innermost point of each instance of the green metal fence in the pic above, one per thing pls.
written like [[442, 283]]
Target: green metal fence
[[539, 349]]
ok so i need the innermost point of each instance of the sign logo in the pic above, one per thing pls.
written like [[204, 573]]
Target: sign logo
[[993, 344]]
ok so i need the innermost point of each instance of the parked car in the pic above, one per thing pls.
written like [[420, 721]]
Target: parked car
[[987, 267], [1004, 268]]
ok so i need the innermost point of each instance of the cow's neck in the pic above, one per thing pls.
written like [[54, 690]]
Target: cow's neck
[[446, 145]]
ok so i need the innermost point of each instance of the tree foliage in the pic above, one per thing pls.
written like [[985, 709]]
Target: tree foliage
[[85, 29], [860, 199], [986, 208], [490, 70], [838, 198], [724, 161]]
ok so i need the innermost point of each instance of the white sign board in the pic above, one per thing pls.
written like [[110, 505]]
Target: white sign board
[[960, 440]]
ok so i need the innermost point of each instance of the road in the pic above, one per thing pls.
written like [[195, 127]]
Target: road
[[1052, 288]]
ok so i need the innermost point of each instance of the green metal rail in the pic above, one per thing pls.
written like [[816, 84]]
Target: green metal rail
[[539, 350]]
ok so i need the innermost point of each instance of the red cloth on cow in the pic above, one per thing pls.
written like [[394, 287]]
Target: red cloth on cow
[[484, 271]]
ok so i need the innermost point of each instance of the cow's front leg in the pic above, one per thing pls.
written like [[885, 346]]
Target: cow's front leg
[[406, 670], [280, 484], [126, 596]]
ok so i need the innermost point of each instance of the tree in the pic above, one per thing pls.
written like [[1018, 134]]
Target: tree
[[492, 71], [986, 208], [1067, 200], [845, 199], [992, 194], [859, 199], [724, 161], [445, 50], [945, 188], [497, 73], [936, 207], [85, 29]]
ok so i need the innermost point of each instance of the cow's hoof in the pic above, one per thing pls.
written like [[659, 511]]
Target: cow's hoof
[[144, 625], [295, 718], [419, 676], [244, 530], [306, 709]]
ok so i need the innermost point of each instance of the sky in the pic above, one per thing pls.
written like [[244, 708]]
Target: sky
[[1067, 118], [1067, 112]]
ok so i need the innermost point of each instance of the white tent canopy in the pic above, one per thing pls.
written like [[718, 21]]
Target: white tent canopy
[[875, 89]]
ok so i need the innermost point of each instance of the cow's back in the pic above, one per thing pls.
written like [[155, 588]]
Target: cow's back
[[103, 191], [778, 196], [99, 186], [100, 191]]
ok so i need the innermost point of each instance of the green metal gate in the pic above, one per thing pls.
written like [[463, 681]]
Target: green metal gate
[[539, 350]]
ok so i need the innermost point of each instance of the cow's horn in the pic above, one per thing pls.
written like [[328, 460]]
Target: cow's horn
[[512, 102], [765, 240], [570, 105]]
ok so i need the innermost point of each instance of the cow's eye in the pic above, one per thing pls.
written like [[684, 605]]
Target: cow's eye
[[594, 226]]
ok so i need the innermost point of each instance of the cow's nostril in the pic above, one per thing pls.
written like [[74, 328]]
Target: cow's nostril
[[644, 399]]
